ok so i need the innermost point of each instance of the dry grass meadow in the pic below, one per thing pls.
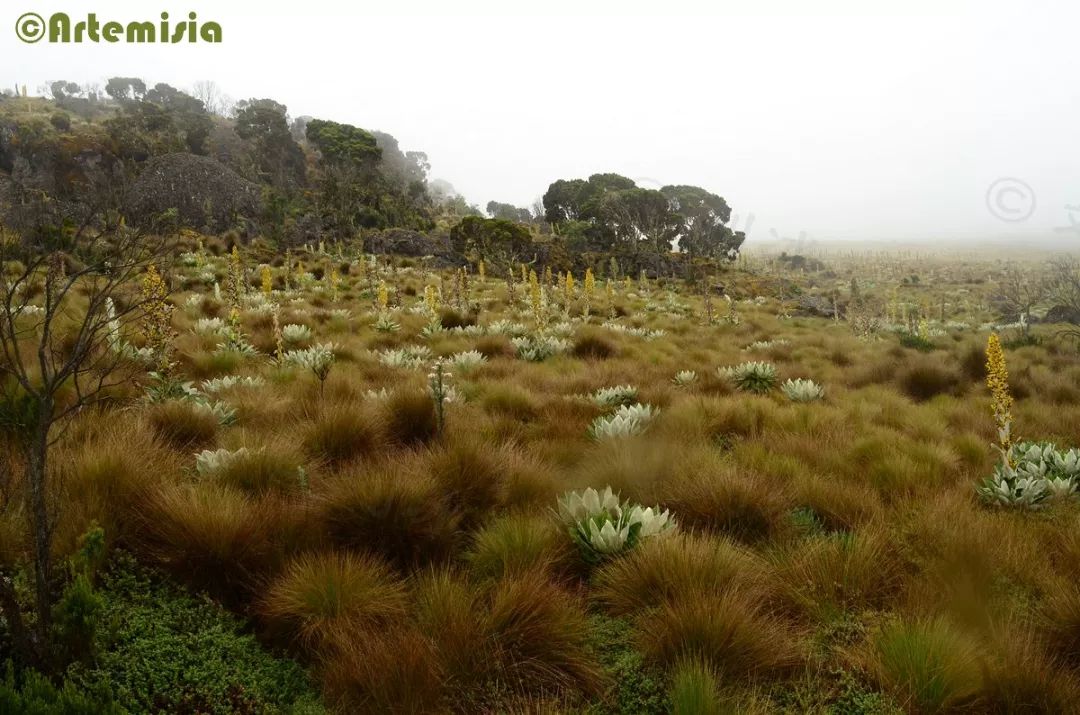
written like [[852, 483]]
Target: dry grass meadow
[[366, 461]]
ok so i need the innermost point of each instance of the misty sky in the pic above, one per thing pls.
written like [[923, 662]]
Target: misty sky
[[848, 123]]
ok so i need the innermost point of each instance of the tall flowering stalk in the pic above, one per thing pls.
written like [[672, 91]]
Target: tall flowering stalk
[[267, 281], [481, 269], [534, 296], [236, 278], [568, 289], [335, 280], [589, 287], [279, 339], [997, 379], [439, 389], [157, 319], [431, 299], [383, 297]]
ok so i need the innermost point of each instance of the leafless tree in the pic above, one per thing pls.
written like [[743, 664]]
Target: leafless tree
[[1064, 291], [215, 101], [1019, 291], [67, 288]]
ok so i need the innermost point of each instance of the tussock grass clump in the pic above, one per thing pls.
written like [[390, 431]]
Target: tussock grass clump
[[928, 665], [694, 689], [521, 636], [396, 513], [409, 417], [840, 572], [593, 345], [494, 346], [1021, 677], [510, 401], [339, 432], [516, 544], [676, 566], [260, 471], [320, 595], [183, 424], [540, 631], [744, 506], [1061, 622], [115, 471], [392, 671], [926, 379], [211, 536], [730, 631], [470, 473], [840, 506]]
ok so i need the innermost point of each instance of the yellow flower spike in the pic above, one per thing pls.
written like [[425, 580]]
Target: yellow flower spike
[[997, 379], [384, 295], [267, 281]]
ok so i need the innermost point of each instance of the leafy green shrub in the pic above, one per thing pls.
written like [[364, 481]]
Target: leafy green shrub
[[916, 342], [166, 651], [34, 694]]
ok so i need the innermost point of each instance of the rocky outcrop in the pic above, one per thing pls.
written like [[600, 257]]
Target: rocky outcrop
[[1062, 314], [206, 194]]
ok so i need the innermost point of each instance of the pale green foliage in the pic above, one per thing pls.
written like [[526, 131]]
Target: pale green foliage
[[412, 357], [469, 360], [759, 377], [294, 333], [802, 390], [1032, 473], [684, 378], [626, 421], [385, 324], [229, 381], [318, 358], [602, 525], [610, 397], [210, 462], [537, 348]]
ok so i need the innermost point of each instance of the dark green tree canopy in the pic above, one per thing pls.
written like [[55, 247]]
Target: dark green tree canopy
[[125, 88], [610, 212], [509, 212], [491, 239], [343, 143], [265, 123], [189, 114]]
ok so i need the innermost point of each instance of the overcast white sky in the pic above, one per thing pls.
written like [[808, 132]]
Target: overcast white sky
[[855, 120]]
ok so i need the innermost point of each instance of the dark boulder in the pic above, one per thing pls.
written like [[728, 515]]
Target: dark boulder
[[1062, 314], [403, 242], [814, 305], [206, 194]]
